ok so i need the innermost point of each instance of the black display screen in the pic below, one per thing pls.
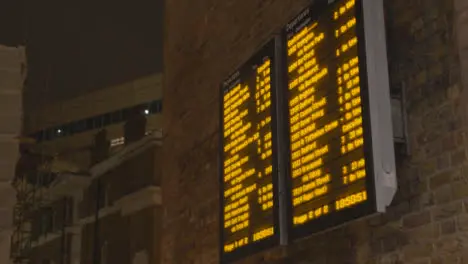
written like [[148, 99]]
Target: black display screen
[[248, 160], [330, 177]]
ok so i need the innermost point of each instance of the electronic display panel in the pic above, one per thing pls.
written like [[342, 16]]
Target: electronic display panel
[[331, 177], [248, 160]]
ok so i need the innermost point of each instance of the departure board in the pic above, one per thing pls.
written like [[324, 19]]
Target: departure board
[[248, 160], [306, 139], [331, 176]]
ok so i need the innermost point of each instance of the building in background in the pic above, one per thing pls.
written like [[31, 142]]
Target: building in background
[[68, 127], [91, 158], [93, 81], [120, 213], [67, 216]]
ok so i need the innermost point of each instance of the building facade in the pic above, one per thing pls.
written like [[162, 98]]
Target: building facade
[[89, 68], [427, 51], [73, 216], [69, 126], [88, 169], [129, 215], [12, 65]]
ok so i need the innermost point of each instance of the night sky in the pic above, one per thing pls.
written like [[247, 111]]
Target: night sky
[[79, 46]]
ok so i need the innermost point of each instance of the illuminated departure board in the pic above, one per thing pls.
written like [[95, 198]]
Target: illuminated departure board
[[330, 138], [306, 139], [248, 163]]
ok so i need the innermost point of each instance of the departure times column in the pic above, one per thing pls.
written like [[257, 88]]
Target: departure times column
[[264, 139], [350, 103], [248, 195]]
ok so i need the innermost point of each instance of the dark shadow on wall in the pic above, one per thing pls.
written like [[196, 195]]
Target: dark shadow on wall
[[75, 47]]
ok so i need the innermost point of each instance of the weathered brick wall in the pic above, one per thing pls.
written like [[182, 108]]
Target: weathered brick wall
[[428, 220]]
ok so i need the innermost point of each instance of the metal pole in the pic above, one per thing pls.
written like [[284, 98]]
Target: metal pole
[[63, 239], [282, 187], [96, 249]]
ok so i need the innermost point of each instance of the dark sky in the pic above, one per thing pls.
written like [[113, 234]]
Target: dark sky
[[74, 47], [11, 22]]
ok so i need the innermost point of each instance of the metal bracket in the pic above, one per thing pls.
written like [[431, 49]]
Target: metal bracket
[[400, 123]]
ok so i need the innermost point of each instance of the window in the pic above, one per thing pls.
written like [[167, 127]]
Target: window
[[126, 113], [117, 116], [79, 126], [142, 108], [98, 121], [58, 132], [155, 107], [117, 141], [146, 108], [89, 124], [68, 128], [61, 131], [107, 119], [47, 221]]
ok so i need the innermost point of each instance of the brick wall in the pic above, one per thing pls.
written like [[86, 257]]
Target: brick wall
[[428, 220]]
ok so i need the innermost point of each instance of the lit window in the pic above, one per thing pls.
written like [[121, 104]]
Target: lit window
[[117, 141]]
